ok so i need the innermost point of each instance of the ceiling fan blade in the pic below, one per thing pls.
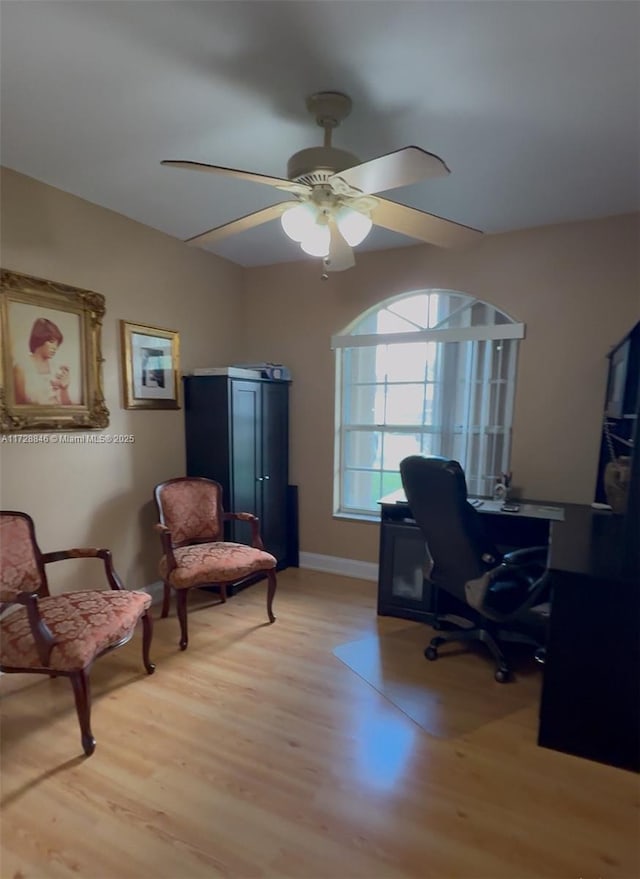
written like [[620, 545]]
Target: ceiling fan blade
[[340, 255], [419, 224], [241, 225], [278, 182], [400, 168]]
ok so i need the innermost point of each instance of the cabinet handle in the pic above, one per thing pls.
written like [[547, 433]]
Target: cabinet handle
[[267, 477], [259, 478]]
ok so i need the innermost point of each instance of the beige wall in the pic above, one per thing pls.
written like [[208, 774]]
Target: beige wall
[[88, 495], [575, 286]]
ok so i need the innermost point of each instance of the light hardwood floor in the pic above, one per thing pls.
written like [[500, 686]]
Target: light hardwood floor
[[258, 753]]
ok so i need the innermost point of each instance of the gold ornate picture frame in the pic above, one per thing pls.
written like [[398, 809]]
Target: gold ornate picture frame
[[51, 360], [150, 367]]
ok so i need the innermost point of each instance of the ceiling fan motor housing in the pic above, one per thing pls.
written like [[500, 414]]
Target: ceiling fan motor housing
[[316, 164]]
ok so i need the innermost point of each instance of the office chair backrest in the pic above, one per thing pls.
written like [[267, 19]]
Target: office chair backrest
[[437, 494]]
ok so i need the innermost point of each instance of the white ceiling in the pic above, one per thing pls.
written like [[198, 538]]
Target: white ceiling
[[535, 106]]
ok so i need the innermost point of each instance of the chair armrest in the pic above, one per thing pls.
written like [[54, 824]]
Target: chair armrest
[[516, 577], [528, 555], [41, 633], [90, 553], [254, 521], [167, 545]]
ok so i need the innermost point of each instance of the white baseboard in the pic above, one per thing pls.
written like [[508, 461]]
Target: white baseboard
[[334, 565], [313, 561]]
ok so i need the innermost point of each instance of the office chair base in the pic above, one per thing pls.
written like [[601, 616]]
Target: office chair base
[[502, 673]]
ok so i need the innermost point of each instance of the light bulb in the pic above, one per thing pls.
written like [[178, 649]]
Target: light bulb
[[354, 226], [317, 240], [298, 221]]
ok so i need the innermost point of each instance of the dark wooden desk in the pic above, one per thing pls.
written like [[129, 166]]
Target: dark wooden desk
[[403, 590], [590, 704]]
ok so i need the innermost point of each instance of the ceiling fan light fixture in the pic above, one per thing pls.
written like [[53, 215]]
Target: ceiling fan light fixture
[[317, 240], [354, 226], [298, 222]]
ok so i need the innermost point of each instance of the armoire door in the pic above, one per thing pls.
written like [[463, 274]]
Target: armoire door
[[246, 453], [275, 468]]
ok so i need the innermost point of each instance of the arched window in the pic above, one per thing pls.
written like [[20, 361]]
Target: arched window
[[429, 372]]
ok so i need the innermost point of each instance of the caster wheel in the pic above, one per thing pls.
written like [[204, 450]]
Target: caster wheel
[[431, 653], [502, 675], [541, 655], [437, 625]]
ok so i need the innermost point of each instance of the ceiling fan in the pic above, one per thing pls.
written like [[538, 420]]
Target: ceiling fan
[[333, 207]]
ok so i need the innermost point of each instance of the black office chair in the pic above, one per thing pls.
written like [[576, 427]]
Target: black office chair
[[490, 597]]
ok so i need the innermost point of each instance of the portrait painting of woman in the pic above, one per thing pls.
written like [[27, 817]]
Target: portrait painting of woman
[[46, 356], [50, 355]]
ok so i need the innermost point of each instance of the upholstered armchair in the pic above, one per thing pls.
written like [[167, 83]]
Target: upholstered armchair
[[195, 553], [61, 634]]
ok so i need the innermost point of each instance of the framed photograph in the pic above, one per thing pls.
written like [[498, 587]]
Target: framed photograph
[[51, 363], [150, 367]]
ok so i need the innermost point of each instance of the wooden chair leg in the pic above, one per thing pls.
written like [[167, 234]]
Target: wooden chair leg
[[223, 592], [147, 634], [181, 602], [82, 694], [271, 591], [166, 601]]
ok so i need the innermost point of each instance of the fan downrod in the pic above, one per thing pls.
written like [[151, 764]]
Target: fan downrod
[[315, 165]]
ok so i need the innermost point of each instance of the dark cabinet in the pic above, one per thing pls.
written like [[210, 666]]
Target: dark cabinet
[[591, 691], [621, 408], [237, 432], [618, 478], [403, 588]]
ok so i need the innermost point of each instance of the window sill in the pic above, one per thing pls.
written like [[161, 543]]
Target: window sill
[[358, 517]]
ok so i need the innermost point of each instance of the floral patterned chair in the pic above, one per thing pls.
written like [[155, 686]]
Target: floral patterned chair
[[62, 634], [191, 529]]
